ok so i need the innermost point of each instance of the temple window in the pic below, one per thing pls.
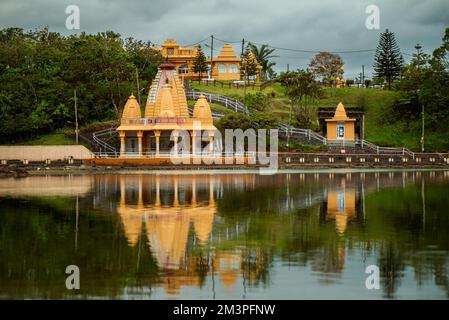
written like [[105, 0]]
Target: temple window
[[233, 68], [170, 51], [221, 68], [184, 69]]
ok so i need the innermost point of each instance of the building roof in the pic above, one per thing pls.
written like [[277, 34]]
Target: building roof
[[227, 51], [201, 109], [340, 114], [170, 43], [132, 109]]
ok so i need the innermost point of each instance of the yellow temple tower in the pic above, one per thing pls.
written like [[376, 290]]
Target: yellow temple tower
[[166, 111]]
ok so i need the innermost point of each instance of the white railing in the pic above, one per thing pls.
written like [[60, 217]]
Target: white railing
[[311, 135], [97, 138], [385, 150], [168, 155], [227, 102]]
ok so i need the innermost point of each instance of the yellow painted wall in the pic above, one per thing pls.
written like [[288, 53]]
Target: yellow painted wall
[[332, 131]]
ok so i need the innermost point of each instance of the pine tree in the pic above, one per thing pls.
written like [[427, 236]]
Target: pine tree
[[388, 60], [200, 64]]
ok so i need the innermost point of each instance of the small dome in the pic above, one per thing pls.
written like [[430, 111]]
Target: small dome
[[132, 109], [201, 110]]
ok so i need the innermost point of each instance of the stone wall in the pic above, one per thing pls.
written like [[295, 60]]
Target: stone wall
[[43, 153]]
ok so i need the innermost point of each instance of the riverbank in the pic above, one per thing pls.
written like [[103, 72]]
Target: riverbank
[[189, 169]]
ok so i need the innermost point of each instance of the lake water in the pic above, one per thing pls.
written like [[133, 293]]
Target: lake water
[[226, 235]]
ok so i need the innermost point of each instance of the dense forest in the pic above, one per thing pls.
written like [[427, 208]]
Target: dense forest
[[39, 71]]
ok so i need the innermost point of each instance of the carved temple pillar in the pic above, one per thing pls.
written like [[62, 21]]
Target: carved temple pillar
[[157, 134], [122, 135], [139, 142]]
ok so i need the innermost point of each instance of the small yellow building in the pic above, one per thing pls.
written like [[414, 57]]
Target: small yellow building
[[166, 111], [224, 67], [340, 128]]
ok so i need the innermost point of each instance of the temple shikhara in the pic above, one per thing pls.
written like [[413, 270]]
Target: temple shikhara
[[166, 111]]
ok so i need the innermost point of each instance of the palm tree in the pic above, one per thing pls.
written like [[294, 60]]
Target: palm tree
[[263, 55]]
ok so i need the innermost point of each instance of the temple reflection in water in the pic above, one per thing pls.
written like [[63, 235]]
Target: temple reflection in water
[[166, 209], [228, 235]]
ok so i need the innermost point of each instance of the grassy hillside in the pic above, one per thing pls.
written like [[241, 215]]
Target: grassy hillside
[[377, 104], [55, 138]]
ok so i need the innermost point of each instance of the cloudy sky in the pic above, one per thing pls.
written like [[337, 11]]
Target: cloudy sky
[[311, 25]]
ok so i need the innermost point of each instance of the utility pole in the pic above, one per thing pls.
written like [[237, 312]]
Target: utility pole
[[363, 75], [288, 67], [211, 55], [76, 118], [138, 86], [244, 76]]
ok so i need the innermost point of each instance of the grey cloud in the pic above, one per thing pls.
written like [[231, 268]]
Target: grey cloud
[[334, 25]]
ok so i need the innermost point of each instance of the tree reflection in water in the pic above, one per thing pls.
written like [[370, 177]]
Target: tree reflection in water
[[226, 235]]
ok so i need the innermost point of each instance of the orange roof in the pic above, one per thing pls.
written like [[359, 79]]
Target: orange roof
[[340, 114], [201, 109], [132, 109], [227, 54]]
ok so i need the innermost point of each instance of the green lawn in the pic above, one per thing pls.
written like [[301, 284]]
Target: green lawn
[[56, 138]]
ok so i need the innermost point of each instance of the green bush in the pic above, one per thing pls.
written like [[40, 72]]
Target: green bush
[[257, 101]]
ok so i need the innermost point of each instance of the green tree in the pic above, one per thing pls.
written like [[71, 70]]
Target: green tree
[[434, 92], [388, 59], [200, 64], [298, 85], [263, 54], [234, 120], [327, 66], [257, 101], [40, 69], [263, 120]]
